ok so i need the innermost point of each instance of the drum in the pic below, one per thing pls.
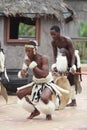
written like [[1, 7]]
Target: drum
[[63, 82]]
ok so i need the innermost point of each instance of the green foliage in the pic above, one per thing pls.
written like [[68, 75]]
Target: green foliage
[[82, 30], [81, 46], [26, 30]]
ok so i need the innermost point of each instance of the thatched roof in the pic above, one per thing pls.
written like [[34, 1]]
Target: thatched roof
[[35, 8]]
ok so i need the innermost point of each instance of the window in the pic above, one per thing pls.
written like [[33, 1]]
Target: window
[[22, 29]]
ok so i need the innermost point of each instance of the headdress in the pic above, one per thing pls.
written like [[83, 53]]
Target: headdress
[[32, 44]]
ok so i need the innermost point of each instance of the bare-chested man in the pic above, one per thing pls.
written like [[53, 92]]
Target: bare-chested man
[[41, 88], [65, 42]]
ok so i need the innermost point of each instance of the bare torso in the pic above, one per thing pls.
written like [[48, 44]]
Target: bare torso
[[42, 69], [63, 42]]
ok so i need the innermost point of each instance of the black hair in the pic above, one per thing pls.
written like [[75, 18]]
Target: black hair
[[55, 28], [32, 43]]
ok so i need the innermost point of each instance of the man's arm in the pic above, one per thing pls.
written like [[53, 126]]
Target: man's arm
[[71, 52], [72, 56], [22, 73], [44, 71], [54, 51]]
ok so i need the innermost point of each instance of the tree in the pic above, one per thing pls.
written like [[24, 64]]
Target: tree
[[82, 30]]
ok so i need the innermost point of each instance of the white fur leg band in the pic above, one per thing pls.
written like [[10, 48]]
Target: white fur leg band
[[19, 75], [32, 65], [24, 104], [46, 108]]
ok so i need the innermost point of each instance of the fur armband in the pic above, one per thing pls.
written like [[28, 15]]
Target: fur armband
[[53, 66], [24, 67], [78, 58], [32, 65], [19, 75], [26, 57], [73, 68]]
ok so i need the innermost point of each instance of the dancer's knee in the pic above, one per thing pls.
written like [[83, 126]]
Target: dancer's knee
[[44, 99], [45, 96]]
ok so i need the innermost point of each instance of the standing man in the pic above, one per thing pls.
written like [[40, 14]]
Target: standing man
[[41, 88], [59, 42]]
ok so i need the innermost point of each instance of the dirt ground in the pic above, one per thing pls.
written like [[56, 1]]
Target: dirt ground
[[12, 117]]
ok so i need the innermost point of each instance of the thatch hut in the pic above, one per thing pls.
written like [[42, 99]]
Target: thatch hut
[[41, 15]]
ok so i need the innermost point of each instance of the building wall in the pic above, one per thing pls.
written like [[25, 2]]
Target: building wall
[[45, 41], [2, 30], [15, 52], [80, 7]]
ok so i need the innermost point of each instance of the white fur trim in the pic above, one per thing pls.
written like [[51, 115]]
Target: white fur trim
[[19, 75], [43, 80], [73, 68], [26, 57], [23, 103], [61, 63], [2, 62], [46, 108], [35, 42], [32, 65], [78, 58], [24, 67], [29, 46], [6, 75], [53, 66]]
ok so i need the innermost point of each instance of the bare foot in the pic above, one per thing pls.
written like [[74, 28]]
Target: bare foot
[[33, 114], [48, 117], [72, 104]]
